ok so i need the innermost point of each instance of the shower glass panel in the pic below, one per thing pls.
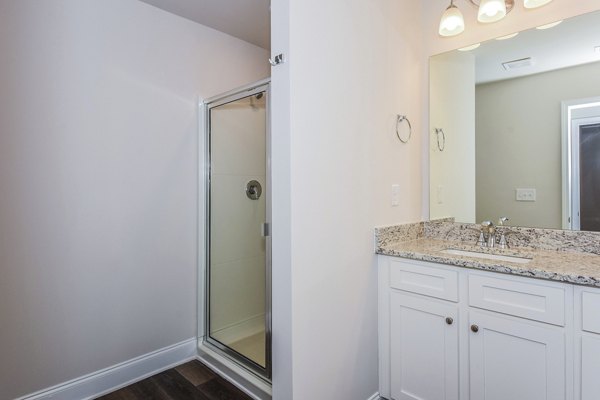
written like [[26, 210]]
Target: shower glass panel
[[238, 300]]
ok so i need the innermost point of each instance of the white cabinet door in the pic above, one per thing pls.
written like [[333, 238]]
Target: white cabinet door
[[515, 360], [423, 348], [590, 367]]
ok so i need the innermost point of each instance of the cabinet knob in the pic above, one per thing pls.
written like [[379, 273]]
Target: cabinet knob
[[474, 328], [449, 320]]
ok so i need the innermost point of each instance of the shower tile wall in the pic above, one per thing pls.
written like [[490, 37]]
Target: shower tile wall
[[237, 247]]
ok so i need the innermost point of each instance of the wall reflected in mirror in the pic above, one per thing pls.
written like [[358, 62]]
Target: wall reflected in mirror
[[521, 120]]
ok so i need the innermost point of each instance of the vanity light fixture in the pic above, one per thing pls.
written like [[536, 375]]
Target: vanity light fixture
[[453, 23], [491, 10]]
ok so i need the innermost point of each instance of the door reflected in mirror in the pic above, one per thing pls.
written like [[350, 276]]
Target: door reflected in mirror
[[521, 120]]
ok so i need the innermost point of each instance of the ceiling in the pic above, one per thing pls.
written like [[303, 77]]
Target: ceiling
[[249, 20], [568, 44]]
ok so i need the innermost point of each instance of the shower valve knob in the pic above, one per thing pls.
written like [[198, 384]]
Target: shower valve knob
[[253, 190]]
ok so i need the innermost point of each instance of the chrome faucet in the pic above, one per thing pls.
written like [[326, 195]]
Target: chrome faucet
[[489, 232]]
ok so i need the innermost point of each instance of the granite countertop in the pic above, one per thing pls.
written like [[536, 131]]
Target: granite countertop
[[573, 267]]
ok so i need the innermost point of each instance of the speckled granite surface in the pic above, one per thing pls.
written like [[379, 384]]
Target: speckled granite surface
[[399, 233], [532, 238], [404, 232], [555, 255]]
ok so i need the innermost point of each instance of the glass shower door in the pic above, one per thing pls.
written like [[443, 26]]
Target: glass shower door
[[238, 311]]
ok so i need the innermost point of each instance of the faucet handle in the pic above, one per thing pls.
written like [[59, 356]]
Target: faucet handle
[[502, 220], [481, 240], [503, 243], [505, 232]]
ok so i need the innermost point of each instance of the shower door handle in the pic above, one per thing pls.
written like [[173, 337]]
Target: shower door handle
[[266, 231]]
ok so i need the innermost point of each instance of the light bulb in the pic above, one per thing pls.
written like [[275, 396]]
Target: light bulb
[[491, 11], [452, 22]]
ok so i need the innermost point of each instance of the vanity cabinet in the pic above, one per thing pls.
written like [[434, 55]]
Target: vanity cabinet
[[449, 333]]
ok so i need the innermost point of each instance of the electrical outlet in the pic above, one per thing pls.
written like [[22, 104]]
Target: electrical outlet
[[395, 195], [525, 195]]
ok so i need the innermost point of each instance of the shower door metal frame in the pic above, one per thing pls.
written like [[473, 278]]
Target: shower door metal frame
[[204, 278]]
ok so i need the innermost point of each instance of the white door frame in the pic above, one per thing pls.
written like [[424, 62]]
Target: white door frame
[[571, 110]]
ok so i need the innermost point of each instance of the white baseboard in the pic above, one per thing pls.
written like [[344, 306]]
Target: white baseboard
[[374, 397], [109, 379]]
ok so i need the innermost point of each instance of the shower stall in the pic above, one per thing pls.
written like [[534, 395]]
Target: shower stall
[[236, 300]]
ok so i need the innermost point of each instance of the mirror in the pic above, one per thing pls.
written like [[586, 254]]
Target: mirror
[[515, 129]]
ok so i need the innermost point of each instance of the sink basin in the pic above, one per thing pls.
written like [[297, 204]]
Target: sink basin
[[495, 257]]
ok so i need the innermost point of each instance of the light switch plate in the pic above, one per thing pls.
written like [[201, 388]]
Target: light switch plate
[[525, 195]]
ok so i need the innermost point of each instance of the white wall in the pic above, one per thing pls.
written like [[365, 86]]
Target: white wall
[[352, 66], [525, 150], [98, 181], [452, 177], [519, 19]]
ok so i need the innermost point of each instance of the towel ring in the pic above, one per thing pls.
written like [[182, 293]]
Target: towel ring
[[400, 119], [442, 146]]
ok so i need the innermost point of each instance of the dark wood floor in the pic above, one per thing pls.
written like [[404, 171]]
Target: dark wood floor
[[192, 380]]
